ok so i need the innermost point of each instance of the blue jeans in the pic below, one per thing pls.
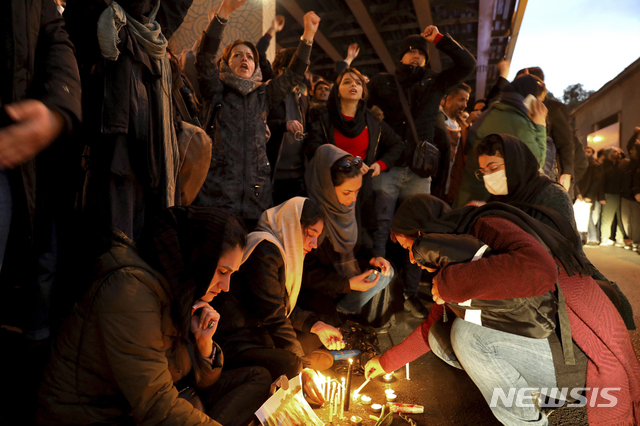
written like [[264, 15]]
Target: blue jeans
[[594, 222], [399, 183], [499, 364], [6, 210], [352, 302]]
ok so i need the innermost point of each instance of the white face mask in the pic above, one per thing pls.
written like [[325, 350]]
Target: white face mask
[[496, 183]]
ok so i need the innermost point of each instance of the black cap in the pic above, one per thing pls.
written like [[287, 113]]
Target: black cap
[[414, 42]]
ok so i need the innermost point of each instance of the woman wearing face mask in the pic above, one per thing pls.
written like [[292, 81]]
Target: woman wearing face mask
[[512, 116], [500, 324], [510, 174], [138, 349], [263, 324], [339, 275], [238, 102]]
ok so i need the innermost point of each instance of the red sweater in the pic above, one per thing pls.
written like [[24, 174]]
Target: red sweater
[[355, 146], [596, 325]]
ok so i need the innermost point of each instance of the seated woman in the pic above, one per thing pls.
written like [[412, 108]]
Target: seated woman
[[490, 261], [339, 276], [510, 174], [238, 103], [262, 320], [142, 336]]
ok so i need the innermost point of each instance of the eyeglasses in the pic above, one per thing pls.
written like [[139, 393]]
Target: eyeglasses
[[345, 165], [492, 168]]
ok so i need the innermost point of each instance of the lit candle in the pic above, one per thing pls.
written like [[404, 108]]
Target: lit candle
[[365, 400], [408, 372], [355, 421], [342, 393], [331, 401], [348, 389], [391, 397], [376, 408], [388, 377], [388, 391]]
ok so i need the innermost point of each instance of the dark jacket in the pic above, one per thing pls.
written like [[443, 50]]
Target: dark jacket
[[43, 66], [592, 183], [255, 309], [424, 89], [239, 175], [559, 129], [118, 356], [612, 177], [384, 143]]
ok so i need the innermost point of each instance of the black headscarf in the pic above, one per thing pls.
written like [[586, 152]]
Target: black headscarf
[[349, 128], [524, 180], [526, 85], [184, 244], [427, 214]]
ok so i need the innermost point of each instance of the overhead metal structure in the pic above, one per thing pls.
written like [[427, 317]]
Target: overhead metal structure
[[487, 28]]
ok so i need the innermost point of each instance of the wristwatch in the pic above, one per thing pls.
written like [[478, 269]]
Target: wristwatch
[[308, 42]]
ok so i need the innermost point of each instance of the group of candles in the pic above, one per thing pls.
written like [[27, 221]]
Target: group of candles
[[338, 394]]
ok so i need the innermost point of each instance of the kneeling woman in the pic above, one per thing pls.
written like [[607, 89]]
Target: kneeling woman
[[507, 291], [335, 269], [263, 323], [142, 336]]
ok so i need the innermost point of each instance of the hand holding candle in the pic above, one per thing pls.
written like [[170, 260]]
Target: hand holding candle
[[311, 386]]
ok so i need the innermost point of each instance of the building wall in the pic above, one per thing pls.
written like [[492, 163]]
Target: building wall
[[622, 97]]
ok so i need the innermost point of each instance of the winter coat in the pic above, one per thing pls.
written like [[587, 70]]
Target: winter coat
[[239, 174], [255, 309], [384, 143], [502, 117], [424, 89], [118, 356], [43, 66]]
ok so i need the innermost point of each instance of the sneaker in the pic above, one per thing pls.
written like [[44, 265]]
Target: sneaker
[[319, 360], [413, 305], [607, 243], [617, 244], [592, 244]]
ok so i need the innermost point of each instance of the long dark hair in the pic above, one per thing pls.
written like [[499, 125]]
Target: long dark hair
[[311, 214]]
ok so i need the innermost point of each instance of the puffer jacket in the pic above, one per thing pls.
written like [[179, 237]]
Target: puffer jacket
[[118, 355], [239, 175]]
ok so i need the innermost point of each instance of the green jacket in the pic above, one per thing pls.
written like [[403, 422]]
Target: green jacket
[[502, 118], [118, 356]]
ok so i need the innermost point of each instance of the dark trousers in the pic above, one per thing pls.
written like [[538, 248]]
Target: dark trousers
[[237, 395], [611, 211], [276, 361]]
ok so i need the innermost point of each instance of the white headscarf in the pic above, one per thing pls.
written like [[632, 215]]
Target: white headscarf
[[280, 225]]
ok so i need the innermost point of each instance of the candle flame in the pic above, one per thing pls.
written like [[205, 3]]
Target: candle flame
[[350, 360]]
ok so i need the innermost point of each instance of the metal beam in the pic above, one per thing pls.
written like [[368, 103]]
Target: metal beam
[[485, 25], [364, 19], [298, 14], [516, 23], [423, 13]]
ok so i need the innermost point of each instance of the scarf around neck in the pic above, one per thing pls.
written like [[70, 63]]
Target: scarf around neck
[[242, 85], [427, 214], [280, 225], [349, 128], [340, 221]]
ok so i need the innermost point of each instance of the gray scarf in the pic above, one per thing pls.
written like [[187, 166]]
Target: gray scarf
[[340, 220], [242, 85], [150, 37]]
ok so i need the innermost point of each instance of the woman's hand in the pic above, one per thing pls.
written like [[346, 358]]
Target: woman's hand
[[538, 112], [311, 22], [204, 326], [330, 336], [294, 126], [228, 6], [360, 282], [383, 264], [373, 369], [276, 25], [435, 292], [376, 169], [310, 387]]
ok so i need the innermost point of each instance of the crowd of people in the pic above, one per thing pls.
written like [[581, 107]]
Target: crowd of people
[[187, 227]]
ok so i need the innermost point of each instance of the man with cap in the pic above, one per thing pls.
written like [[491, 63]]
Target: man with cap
[[423, 88]]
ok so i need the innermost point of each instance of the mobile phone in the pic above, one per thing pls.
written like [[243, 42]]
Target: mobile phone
[[372, 276], [528, 101]]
